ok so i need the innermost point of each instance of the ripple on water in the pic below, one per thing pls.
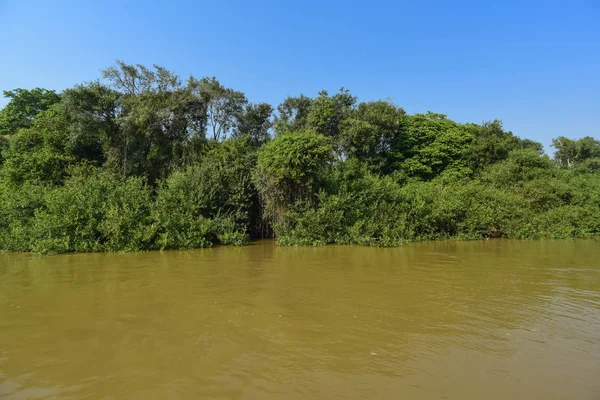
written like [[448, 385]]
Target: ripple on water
[[457, 320]]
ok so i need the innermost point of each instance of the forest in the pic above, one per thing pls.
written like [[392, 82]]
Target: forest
[[141, 159]]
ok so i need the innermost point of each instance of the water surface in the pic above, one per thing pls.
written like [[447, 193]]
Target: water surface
[[493, 319]]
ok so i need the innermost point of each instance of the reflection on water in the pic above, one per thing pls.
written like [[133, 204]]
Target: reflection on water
[[457, 320]]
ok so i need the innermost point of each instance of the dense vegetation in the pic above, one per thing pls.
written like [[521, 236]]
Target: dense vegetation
[[141, 160]]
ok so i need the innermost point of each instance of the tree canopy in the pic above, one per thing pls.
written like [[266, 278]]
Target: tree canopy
[[141, 159], [23, 106]]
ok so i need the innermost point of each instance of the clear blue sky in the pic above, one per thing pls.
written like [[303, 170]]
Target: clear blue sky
[[533, 64]]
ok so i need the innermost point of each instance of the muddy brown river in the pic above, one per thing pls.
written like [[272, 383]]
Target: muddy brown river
[[494, 319]]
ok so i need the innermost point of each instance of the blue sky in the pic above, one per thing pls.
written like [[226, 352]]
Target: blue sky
[[533, 64]]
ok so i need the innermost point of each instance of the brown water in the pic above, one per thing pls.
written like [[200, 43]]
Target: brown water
[[442, 320]]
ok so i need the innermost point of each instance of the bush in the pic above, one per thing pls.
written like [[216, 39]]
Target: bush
[[362, 208], [178, 213], [18, 205], [290, 169], [366, 216], [212, 201], [229, 232], [94, 211]]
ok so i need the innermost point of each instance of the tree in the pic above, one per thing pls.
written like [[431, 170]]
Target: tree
[[371, 132], [161, 123], [290, 168], [23, 106], [254, 123], [327, 112], [138, 79], [213, 197], [431, 144], [491, 144], [293, 114], [91, 111], [41, 153], [222, 105], [570, 152]]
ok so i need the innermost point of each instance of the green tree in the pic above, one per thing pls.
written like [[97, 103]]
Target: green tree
[[223, 105], [491, 144], [292, 114], [255, 123], [210, 201], [570, 152], [290, 168], [327, 112], [40, 153], [91, 111], [432, 143], [371, 133], [23, 106], [161, 123]]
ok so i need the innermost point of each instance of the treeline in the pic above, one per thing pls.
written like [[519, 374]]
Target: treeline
[[141, 160]]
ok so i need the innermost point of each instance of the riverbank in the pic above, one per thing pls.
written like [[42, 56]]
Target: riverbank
[[102, 167]]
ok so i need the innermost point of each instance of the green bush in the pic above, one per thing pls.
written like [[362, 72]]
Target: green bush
[[211, 201], [290, 169], [366, 216], [94, 211], [228, 232], [18, 205]]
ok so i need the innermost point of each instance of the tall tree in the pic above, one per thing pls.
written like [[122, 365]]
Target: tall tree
[[255, 123], [293, 114], [92, 110], [327, 112], [161, 122], [138, 79], [491, 144], [222, 105], [570, 152], [371, 132], [432, 143]]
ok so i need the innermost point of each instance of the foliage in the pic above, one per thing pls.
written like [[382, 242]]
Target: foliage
[[373, 132], [39, 154], [432, 143], [571, 152], [289, 169], [92, 211], [491, 144], [4, 145], [327, 112], [143, 160], [254, 123], [23, 106], [222, 104], [209, 201], [293, 114], [18, 206], [161, 123]]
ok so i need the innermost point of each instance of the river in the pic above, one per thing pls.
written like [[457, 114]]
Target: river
[[494, 319]]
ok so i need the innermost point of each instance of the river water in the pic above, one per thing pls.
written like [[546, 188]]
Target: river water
[[494, 319]]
